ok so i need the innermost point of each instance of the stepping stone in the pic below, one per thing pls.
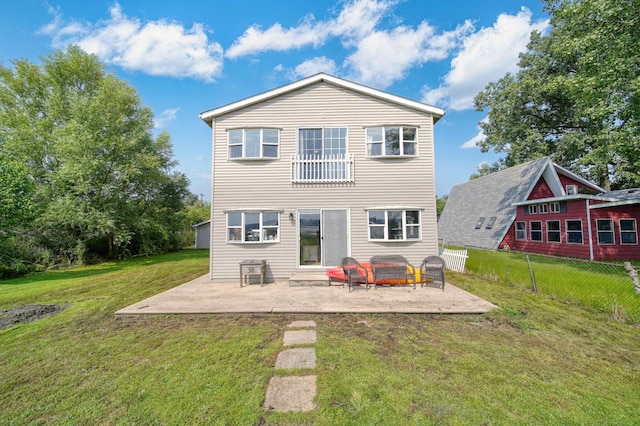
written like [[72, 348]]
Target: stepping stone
[[302, 324], [299, 337], [291, 393], [297, 358]]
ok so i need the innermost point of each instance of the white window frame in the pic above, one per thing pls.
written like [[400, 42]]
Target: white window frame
[[554, 207], [531, 231], [262, 142], [554, 231], [572, 189], [410, 231], [264, 232], [522, 232], [543, 208], [533, 209], [567, 231], [633, 232], [370, 141], [611, 231]]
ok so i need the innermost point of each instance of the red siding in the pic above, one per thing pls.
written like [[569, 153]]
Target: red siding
[[576, 210], [568, 181], [541, 190]]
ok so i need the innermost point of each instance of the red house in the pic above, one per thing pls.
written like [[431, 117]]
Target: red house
[[541, 207]]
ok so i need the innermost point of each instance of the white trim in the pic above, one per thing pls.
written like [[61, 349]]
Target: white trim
[[566, 231], [209, 115], [559, 231], [613, 233], [577, 178], [636, 230]]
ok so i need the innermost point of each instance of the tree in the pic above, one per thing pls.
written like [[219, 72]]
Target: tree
[[440, 203], [576, 96], [485, 169], [104, 185]]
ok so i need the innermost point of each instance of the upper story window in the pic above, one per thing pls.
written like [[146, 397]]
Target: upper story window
[[391, 141], [253, 143], [253, 227], [628, 231], [533, 209], [543, 208], [394, 225], [555, 207], [572, 189]]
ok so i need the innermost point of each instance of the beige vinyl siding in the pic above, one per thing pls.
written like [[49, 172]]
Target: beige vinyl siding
[[266, 184]]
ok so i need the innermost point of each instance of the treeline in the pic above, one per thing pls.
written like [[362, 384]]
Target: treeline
[[82, 175]]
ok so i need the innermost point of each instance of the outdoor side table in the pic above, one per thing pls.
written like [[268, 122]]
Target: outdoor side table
[[249, 268]]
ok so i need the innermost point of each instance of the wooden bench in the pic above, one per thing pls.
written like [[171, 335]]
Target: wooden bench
[[392, 270]]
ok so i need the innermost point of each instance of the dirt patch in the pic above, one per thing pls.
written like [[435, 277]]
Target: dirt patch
[[27, 313]]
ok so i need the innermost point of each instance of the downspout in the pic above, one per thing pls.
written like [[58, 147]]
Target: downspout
[[213, 166], [589, 230]]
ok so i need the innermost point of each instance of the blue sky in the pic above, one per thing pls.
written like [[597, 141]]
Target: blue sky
[[185, 57]]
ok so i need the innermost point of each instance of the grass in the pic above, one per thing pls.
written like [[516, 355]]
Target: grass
[[536, 360], [606, 288]]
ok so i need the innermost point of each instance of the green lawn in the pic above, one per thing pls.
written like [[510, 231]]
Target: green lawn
[[538, 360]]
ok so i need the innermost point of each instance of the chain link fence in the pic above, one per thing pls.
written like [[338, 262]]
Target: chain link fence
[[610, 287]]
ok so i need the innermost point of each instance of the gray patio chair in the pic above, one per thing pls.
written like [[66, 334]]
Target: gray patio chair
[[355, 273], [432, 272], [392, 270]]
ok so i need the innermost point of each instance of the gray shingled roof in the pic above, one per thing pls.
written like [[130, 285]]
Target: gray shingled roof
[[488, 196]]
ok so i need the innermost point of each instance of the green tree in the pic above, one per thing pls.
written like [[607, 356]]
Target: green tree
[[104, 184], [440, 203], [576, 96]]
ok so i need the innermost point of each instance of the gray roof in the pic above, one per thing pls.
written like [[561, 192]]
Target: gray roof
[[623, 194], [487, 197]]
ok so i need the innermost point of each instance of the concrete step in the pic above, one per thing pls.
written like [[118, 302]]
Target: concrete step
[[304, 279]]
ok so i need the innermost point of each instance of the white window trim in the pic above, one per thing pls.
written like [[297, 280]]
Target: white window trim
[[533, 209], [385, 226], [612, 232], [261, 228], [571, 189], [543, 208], [559, 232], [567, 231], [244, 145], [554, 207], [384, 154], [521, 230], [531, 231], [635, 227]]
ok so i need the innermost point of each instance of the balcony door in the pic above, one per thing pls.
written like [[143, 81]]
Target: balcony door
[[323, 237], [318, 148]]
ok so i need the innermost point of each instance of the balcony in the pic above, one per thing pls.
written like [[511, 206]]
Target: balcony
[[326, 169]]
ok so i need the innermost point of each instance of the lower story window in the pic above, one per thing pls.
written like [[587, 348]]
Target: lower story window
[[628, 231], [536, 231], [553, 231], [394, 225], [574, 231], [605, 231], [521, 231], [253, 227]]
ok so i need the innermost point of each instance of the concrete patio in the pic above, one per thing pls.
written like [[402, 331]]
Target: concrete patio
[[200, 296]]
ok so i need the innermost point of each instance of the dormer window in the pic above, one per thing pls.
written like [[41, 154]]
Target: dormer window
[[572, 189]]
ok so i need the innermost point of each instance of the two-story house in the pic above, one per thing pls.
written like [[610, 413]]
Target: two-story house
[[319, 169]]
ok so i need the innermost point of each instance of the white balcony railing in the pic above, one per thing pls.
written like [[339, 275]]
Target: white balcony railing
[[330, 168]]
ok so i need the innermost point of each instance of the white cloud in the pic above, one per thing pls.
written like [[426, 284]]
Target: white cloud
[[473, 142], [167, 116], [385, 56], [314, 66], [485, 56], [357, 19], [162, 47]]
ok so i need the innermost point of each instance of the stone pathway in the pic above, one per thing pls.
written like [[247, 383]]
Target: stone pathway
[[294, 393]]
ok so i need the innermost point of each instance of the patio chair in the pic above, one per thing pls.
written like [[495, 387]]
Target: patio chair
[[432, 271], [355, 273], [392, 270]]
